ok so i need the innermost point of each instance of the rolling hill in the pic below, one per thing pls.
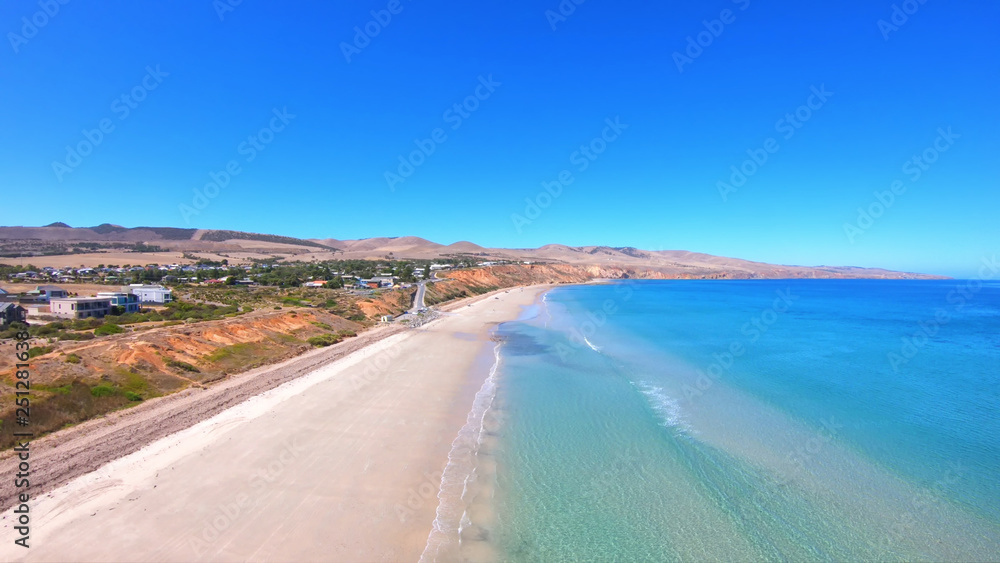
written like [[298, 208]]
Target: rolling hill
[[59, 244]]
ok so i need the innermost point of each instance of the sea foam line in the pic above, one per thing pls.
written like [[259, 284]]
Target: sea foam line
[[591, 344], [451, 514], [666, 407]]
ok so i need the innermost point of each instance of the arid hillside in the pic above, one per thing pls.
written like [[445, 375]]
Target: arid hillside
[[463, 283], [76, 381], [63, 246]]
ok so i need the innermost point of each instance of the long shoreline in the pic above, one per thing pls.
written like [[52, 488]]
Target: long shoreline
[[66, 454], [408, 381]]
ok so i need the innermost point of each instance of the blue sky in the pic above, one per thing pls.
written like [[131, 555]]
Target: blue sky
[[211, 79]]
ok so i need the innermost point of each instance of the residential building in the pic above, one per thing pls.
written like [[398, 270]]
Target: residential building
[[11, 313], [36, 309], [129, 302], [44, 294], [80, 307], [150, 293], [385, 280]]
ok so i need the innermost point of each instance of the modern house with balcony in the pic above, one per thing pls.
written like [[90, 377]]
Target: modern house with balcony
[[80, 307], [156, 294], [129, 302]]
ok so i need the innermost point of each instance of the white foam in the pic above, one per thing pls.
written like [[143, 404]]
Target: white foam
[[668, 408], [591, 344], [451, 517]]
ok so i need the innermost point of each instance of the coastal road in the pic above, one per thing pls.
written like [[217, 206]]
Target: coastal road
[[418, 299]]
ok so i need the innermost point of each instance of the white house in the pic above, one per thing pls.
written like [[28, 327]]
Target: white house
[[149, 293], [80, 307]]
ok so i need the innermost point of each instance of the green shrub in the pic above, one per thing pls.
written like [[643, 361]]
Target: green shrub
[[45, 330], [103, 391], [108, 329], [133, 396], [92, 322], [76, 336], [72, 359], [38, 351], [324, 340], [181, 365], [64, 390]]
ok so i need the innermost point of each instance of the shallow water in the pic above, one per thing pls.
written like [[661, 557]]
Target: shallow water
[[741, 420]]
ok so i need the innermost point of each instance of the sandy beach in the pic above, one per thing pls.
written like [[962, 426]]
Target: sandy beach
[[341, 464]]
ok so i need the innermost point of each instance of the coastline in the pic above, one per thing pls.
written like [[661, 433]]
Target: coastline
[[341, 461]]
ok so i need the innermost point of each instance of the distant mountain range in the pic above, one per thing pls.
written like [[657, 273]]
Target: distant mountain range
[[241, 245]]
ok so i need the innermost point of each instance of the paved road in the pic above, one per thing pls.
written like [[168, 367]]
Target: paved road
[[418, 300]]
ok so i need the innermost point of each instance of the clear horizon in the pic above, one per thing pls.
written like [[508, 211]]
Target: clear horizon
[[738, 129]]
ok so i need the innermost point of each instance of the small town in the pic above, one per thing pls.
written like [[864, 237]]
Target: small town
[[51, 294]]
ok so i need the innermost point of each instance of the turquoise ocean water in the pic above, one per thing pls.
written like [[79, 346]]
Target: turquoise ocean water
[[738, 420]]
